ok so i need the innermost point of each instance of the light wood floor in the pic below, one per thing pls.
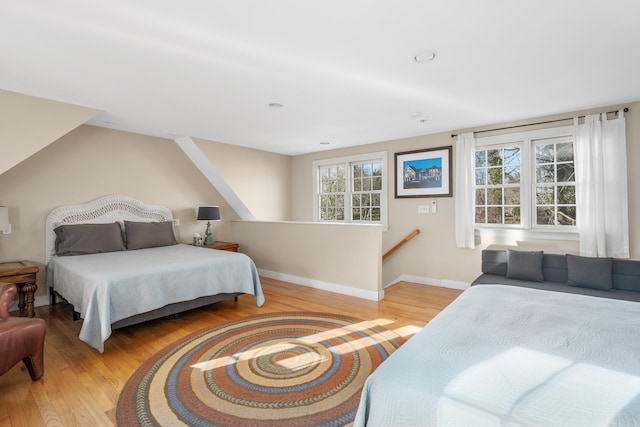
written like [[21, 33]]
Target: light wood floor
[[80, 386]]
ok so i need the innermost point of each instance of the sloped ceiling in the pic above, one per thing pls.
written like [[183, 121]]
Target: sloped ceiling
[[344, 71], [30, 124]]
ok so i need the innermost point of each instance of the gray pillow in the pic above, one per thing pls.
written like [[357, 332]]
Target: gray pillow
[[140, 235], [83, 239], [588, 272], [525, 265]]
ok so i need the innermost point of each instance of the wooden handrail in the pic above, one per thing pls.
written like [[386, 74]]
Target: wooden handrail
[[410, 236]]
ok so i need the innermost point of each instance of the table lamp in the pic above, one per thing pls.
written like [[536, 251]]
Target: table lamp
[[208, 213]]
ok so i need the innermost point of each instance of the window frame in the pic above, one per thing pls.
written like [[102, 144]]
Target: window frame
[[347, 161], [528, 227], [556, 183], [524, 196]]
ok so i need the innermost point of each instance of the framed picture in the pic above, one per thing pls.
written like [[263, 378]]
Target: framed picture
[[424, 173]]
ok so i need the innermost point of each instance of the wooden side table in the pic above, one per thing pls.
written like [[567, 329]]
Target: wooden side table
[[223, 246], [23, 275]]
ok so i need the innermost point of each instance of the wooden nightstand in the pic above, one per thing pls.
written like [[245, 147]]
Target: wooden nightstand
[[23, 275], [223, 246]]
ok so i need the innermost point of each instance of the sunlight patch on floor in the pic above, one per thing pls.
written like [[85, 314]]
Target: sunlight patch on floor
[[299, 361], [407, 331]]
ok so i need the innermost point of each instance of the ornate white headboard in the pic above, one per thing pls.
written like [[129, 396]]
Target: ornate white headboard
[[103, 210]]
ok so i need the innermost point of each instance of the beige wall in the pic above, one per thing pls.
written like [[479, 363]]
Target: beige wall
[[91, 162], [338, 257], [262, 180], [433, 254], [30, 123]]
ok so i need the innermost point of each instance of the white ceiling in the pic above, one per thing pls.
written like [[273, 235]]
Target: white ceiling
[[343, 69]]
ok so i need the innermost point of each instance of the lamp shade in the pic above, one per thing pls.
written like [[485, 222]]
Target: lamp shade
[[208, 213], [4, 218]]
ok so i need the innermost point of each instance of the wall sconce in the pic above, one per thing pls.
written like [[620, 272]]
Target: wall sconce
[[208, 213], [5, 227]]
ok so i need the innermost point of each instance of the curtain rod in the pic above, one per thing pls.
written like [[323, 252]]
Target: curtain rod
[[453, 135]]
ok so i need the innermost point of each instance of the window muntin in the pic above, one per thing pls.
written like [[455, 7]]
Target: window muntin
[[555, 186], [366, 199], [498, 185], [332, 192], [351, 189], [526, 181]]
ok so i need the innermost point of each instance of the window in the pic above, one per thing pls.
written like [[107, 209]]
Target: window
[[555, 186], [333, 187], [526, 181], [498, 185], [351, 189]]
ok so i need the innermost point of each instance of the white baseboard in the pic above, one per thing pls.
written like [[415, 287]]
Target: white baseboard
[[443, 283], [311, 283], [325, 286]]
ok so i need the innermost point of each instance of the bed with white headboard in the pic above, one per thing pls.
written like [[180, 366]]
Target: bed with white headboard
[[116, 260]]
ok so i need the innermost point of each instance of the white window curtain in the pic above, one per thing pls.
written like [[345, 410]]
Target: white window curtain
[[601, 178], [463, 191]]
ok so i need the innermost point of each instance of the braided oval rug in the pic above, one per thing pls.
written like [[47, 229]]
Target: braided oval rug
[[284, 369]]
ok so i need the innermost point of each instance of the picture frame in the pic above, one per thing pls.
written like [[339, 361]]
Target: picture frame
[[424, 173]]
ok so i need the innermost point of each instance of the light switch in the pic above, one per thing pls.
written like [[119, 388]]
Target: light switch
[[424, 209], [434, 206]]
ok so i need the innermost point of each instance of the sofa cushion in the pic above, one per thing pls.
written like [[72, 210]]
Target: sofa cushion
[[626, 274], [554, 268], [525, 265], [494, 262], [588, 272], [493, 279]]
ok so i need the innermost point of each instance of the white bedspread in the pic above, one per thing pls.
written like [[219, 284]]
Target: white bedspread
[[509, 356], [108, 287]]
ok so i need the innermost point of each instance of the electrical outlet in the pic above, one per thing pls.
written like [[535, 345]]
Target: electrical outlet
[[176, 222], [423, 209]]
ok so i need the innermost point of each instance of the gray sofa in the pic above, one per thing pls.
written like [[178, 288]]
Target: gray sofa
[[563, 273]]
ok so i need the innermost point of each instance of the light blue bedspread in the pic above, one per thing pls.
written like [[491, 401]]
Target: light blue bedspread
[[108, 287], [510, 356]]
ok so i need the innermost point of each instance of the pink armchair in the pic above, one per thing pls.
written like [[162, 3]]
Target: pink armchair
[[20, 338]]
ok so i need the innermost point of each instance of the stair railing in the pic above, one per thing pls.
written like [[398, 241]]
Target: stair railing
[[409, 236]]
